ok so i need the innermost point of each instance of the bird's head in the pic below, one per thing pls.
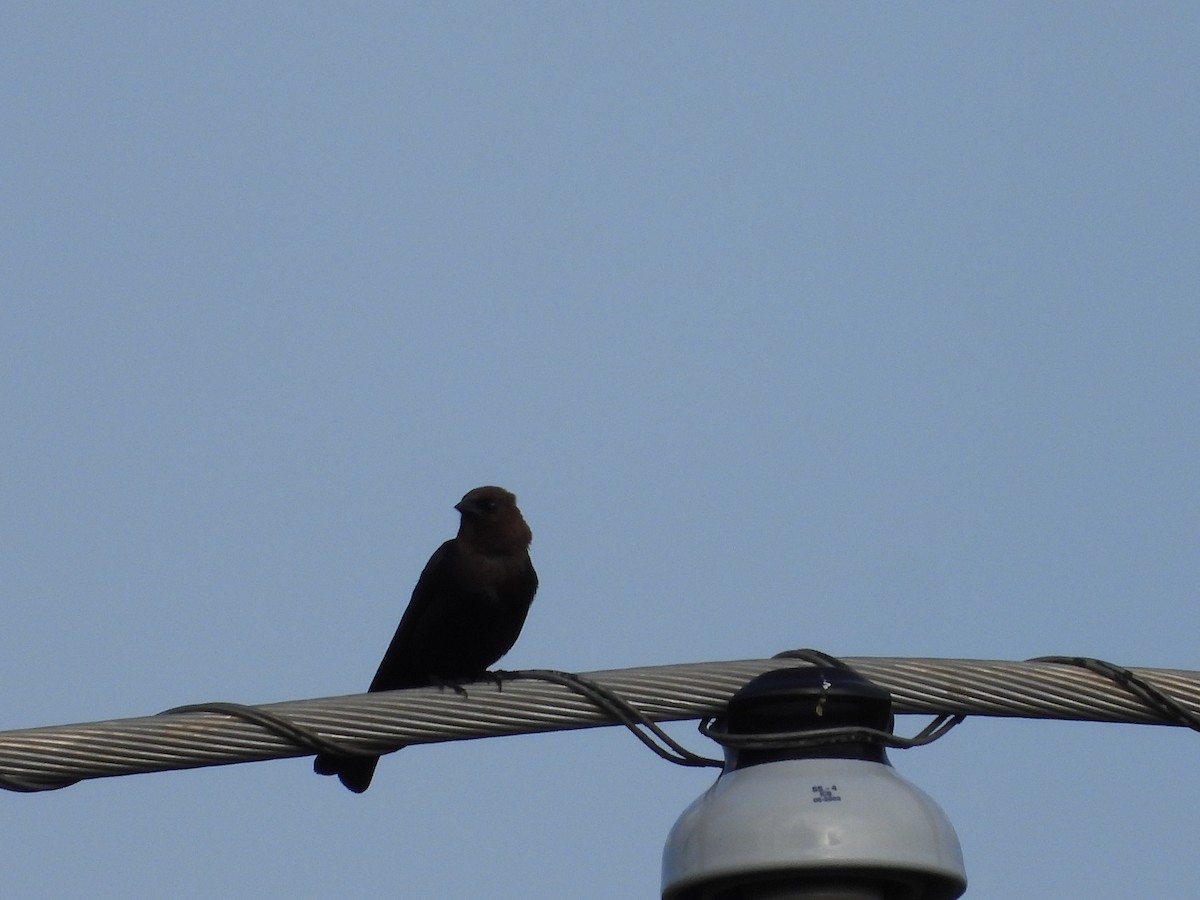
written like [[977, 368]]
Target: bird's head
[[491, 522]]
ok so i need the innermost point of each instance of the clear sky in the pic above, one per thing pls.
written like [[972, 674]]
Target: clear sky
[[870, 327]]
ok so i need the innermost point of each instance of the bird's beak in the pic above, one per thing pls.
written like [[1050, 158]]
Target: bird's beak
[[466, 506]]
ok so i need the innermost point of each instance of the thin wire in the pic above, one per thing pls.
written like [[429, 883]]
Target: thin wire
[[1167, 707], [712, 728], [301, 737], [931, 732], [622, 711], [815, 658]]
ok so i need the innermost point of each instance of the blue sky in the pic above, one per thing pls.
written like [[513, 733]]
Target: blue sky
[[871, 328]]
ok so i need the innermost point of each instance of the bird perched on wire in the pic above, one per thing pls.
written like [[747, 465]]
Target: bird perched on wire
[[465, 613]]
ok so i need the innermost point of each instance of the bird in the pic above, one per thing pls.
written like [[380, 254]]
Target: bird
[[466, 611]]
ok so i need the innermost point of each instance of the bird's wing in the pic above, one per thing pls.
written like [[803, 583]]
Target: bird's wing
[[403, 665]]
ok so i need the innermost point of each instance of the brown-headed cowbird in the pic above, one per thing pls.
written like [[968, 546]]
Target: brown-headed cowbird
[[465, 613]]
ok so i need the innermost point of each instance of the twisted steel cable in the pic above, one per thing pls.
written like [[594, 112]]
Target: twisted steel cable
[[221, 734]]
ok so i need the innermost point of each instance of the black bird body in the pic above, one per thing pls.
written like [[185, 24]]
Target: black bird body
[[466, 611]]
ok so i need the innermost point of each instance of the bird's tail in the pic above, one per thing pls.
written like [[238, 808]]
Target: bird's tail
[[354, 772]]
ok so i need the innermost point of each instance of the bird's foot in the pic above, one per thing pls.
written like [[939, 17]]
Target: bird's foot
[[499, 676], [455, 684]]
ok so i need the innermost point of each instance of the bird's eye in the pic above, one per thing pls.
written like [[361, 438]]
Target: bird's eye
[[487, 505]]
